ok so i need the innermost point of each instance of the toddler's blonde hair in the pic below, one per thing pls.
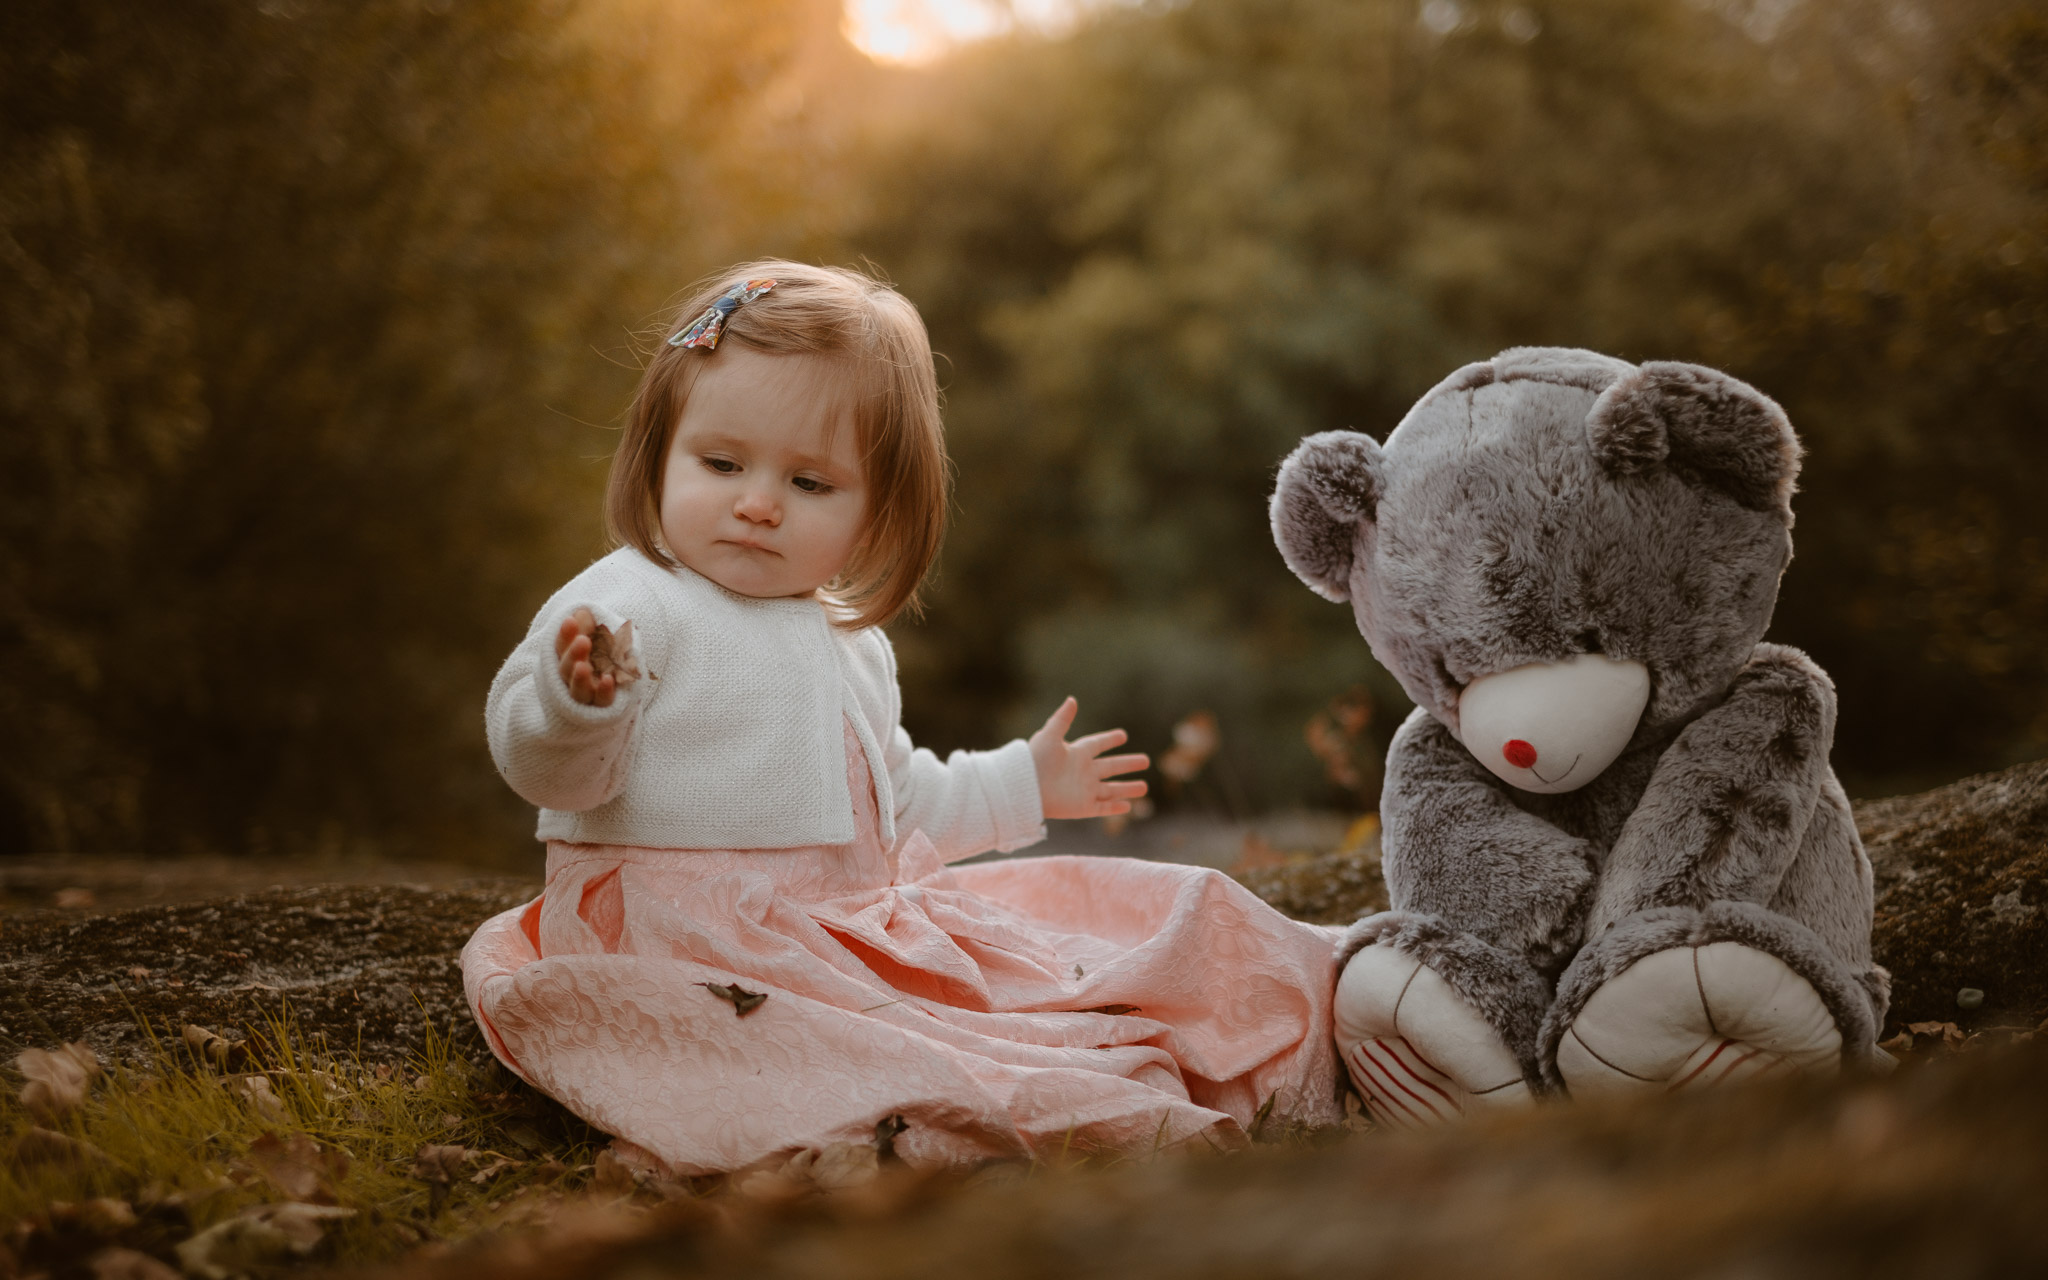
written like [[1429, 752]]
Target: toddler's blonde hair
[[892, 393]]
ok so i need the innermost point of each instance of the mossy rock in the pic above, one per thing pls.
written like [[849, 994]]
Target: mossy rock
[[368, 969], [1962, 896]]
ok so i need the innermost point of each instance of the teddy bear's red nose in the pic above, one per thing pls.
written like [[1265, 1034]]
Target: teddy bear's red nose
[[1519, 753]]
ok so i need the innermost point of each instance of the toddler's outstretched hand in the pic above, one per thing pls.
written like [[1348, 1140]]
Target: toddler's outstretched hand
[[572, 650], [1073, 777]]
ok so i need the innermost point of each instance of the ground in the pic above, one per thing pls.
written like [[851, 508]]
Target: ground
[[1938, 1169]]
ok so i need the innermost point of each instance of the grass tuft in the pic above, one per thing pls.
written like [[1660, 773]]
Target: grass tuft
[[159, 1153]]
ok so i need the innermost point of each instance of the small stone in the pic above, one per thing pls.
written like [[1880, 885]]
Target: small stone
[[1969, 998]]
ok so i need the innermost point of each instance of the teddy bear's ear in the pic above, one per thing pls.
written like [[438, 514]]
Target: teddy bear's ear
[[1327, 487], [1698, 421]]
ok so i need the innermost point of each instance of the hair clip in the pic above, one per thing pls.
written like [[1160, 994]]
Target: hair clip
[[707, 329]]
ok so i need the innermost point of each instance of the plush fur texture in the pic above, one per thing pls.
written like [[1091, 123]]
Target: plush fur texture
[[1552, 502]]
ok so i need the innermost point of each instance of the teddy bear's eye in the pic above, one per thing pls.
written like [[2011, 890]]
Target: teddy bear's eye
[[1589, 642]]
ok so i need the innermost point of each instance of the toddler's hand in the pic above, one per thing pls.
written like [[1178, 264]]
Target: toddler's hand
[[572, 650], [1073, 777]]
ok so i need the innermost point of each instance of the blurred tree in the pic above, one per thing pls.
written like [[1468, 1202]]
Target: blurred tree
[[1162, 251], [299, 299]]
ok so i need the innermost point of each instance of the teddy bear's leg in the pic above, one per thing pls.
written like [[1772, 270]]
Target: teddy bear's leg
[[1676, 999], [1693, 1017], [1418, 1053]]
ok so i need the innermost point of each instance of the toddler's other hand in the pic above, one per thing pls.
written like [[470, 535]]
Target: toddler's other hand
[[572, 650], [1073, 777]]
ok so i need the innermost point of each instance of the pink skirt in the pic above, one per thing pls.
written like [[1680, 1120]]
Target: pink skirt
[[1006, 1009]]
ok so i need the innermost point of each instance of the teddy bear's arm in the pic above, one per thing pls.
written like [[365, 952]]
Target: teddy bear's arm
[[1459, 849], [1729, 803]]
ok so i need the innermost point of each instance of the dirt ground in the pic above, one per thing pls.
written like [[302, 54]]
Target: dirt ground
[[1939, 1169], [1962, 922]]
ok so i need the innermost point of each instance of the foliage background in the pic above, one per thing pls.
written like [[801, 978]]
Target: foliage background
[[315, 318]]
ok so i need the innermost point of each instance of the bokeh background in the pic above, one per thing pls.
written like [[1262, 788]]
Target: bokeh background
[[317, 318]]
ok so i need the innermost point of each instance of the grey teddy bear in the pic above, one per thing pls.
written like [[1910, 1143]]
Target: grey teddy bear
[[1618, 857]]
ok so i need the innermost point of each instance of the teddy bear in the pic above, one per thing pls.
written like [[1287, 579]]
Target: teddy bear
[[1618, 858]]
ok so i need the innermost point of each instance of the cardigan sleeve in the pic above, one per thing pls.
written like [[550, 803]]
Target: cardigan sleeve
[[554, 751], [969, 803]]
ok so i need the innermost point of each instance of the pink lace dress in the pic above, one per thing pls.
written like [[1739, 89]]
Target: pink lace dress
[[1001, 1009]]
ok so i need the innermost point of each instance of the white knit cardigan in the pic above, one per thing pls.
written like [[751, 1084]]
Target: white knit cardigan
[[734, 737]]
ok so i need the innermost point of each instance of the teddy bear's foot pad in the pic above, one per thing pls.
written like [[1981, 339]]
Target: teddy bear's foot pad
[[1418, 1053], [1694, 1017]]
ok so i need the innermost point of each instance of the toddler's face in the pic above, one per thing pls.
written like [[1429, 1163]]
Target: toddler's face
[[762, 491]]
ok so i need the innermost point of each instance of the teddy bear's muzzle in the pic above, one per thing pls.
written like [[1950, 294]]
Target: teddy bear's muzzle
[[1553, 726]]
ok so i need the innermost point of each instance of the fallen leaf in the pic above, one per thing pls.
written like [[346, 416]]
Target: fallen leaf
[[262, 1235], [1950, 1034], [256, 1091], [439, 1163], [1114, 1010], [127, 1264], [299, 1167], [612, 654], [56, 1080], [1195, 739], [138, 971], [742, 1000], [103, 1215], [772, 1185], [498, 1165], [886, 1130], [611, 1176], [845, 1164], [217, 1051]]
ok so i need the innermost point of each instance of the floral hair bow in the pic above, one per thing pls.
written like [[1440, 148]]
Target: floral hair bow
[[707, 329]]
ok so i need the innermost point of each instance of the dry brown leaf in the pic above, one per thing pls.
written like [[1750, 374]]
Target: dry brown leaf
[[260, 1236], [299, 1167], [103, 1215], [612, 654], [57, 1080], [1115, 1010], [1949, 1034], [498, 1165], [612, 1176], [256, 1091], [217, 1051], [743, 1001], [845, 1164], [439, 1163], [127, 1264], [1195, 739]]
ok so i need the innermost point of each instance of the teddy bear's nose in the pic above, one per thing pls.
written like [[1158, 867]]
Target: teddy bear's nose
[[1519, 753]]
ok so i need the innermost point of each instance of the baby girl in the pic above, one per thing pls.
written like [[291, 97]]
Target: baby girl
[[750, 940]]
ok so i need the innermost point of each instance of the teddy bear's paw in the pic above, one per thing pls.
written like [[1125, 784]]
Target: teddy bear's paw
[[1694, 1017], [1418, 1053]]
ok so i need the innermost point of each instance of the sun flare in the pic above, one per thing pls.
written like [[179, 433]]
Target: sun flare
[[915, 32]]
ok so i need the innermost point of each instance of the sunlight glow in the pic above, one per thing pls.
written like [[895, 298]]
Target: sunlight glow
[[914, 32]]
